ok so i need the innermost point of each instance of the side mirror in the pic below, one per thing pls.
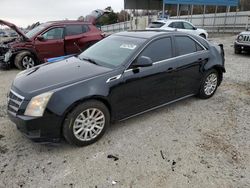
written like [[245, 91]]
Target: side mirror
[[143, 61], [247, 29], [40, 38], [195, 28]]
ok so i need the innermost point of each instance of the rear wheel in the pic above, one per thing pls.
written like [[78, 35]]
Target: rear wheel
[[86, 123], [209, 84], [24, 60]]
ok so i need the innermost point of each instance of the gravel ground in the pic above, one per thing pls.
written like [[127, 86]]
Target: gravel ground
[[192, 143]]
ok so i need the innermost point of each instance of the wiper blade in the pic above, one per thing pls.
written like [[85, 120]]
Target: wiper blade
[[90, 60]]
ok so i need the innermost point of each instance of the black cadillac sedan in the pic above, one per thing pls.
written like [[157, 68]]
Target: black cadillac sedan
[[124, 75]]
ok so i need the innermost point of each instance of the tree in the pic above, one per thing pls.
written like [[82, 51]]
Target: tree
[[81, 18], [109, 8], [123, 16], [108, 19]]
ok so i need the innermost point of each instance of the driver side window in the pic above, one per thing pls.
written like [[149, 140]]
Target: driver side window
[[56, 33], [188, 26]]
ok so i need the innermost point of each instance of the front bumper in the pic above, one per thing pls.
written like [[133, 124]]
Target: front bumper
[[41, 129], [242, 46], [4, 65], [5, 62]]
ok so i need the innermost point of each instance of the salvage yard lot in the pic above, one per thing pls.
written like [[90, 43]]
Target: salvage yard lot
[[192, 143]]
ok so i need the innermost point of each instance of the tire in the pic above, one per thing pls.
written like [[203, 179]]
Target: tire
[[78, 126], [209, 84], [237, 51], [24, 60], [203, 36]]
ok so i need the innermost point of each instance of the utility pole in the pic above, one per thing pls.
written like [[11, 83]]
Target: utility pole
[[163, 9]]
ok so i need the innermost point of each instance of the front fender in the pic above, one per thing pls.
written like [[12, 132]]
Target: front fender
[[66, 97]]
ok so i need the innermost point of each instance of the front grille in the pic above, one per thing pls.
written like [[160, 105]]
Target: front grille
[[246, 38], [14, 102]]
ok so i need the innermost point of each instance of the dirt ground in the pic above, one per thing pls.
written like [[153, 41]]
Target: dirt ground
[[192, 143]]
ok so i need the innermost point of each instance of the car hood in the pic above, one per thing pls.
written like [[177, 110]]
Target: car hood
[[201, 30], [245, 33], [14, 27], [95, 15], [50, 76]]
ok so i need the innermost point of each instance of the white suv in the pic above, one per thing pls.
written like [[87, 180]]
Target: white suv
[[177, 25], [242, 42]]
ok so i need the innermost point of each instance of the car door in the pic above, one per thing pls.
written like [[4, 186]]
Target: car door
[[191, 57], [51, 43], [76, 38], [147, 87]]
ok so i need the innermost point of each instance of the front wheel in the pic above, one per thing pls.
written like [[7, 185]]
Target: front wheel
[[24, 60], [209, 84], [86, 123]]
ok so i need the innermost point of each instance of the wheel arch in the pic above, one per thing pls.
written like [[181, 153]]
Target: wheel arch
[[220, 69], [25, 50], [203, 35], [78, 102]]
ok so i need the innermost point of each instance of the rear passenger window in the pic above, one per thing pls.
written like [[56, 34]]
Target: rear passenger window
[[73, 30], [186, 45], [156, 25], [159, 50]]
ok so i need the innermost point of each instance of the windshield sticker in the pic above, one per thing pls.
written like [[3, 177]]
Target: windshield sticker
[[128, 46]]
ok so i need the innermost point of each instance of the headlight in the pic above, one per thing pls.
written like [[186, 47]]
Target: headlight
[[240, 38], [38, 104], [7, 56]]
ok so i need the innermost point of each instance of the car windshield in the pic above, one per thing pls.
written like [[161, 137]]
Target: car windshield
[[36, 30], [112, 51]]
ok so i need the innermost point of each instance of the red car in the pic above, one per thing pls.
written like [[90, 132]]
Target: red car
[[51, 39]]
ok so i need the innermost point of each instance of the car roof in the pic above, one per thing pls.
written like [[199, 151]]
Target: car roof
[[59, 22], [146, 34], [169, 20], [151, 34]]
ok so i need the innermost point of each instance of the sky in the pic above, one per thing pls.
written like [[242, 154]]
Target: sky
[[26, 12]]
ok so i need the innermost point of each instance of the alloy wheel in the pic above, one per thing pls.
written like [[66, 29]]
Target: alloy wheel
[[89, 124], [28, 62], [210, 84]]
